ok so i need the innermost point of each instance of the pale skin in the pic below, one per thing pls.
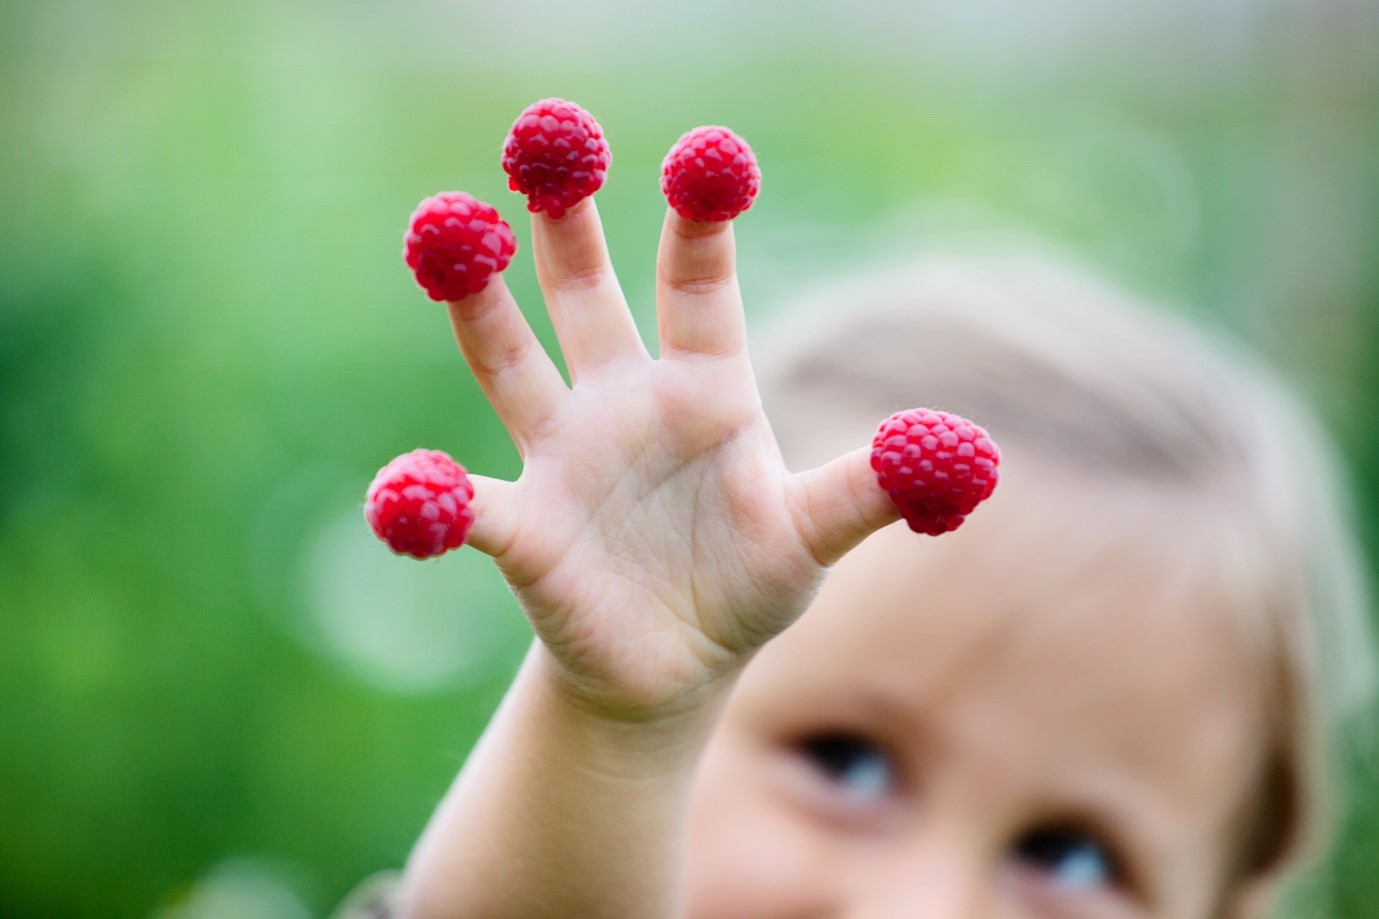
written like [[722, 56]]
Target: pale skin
[[933, 740], [656, 541]]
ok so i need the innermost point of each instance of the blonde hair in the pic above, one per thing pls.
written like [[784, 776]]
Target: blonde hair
[[1061, 366]]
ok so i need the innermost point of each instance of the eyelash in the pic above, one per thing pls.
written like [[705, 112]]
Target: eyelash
[[844, 757], [861, 768], [1050, 847]]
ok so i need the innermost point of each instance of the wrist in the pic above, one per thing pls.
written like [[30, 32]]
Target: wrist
[[565, 807], [661, 732]]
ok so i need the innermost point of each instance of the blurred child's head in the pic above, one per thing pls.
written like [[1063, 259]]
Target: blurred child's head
[[1098, 698]]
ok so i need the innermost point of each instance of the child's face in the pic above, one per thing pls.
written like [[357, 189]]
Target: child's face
[[943, 736]]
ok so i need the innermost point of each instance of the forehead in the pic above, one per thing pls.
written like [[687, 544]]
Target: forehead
[[1023, 641]]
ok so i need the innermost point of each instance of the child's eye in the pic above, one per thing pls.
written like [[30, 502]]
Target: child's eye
[[1070, 859], [860, 768]]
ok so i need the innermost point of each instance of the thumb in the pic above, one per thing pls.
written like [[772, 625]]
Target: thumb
[[839, 504]]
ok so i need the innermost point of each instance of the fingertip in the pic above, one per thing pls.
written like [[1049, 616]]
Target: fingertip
[[841, 504], [572, 213], [570, 251], [476, 305], [685, 228], [494, 523], [696, 257], [581, 290]]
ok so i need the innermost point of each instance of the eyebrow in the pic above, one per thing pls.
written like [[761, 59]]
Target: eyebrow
[[886, 706]]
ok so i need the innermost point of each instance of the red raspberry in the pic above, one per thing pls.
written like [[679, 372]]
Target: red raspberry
[[419, 504], [936, 467], [710, 174], [455, 243], [555, 154]]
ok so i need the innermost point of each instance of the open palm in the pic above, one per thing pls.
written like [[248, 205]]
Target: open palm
[[655, 538]]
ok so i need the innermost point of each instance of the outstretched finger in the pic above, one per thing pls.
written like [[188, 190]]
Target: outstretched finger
[[495, 515], [582, 293], [839, 504], [514, 371], [698, 302]]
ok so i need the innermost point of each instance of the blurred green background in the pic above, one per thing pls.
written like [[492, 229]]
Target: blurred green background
[[218, 695]]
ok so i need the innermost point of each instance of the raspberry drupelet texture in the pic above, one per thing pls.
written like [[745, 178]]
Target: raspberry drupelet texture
[[419, 504], [710, 174], [936, 467], [555, 154], [455, 243]]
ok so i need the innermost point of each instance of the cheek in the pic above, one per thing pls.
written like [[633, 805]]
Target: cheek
[[749, 854]]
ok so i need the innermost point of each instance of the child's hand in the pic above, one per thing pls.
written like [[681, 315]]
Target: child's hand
[[655, 538]]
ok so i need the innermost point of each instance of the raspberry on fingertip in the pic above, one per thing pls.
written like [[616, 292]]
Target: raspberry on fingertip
[[935, 466], [556, 155], [419, 504], [710, 174], [455, 243]]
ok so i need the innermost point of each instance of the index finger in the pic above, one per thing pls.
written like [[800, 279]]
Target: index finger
[[698, 301]]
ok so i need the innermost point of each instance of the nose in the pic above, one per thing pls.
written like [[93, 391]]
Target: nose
[[929, 881]]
